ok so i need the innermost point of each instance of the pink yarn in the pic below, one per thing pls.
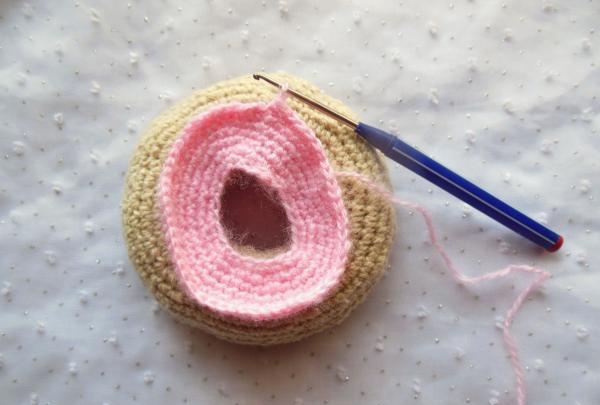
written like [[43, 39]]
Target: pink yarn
[[269, 142], [540, 277]]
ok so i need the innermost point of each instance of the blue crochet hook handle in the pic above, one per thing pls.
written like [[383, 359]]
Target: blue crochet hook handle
[[401, 152], [409, 157]]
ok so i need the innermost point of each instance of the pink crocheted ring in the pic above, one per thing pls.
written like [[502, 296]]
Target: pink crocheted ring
[[271, 143]]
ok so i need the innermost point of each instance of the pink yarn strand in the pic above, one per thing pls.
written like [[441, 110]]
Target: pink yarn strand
[[540, 277]]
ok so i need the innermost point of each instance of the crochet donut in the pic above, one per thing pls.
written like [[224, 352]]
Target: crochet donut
[[338, 231]]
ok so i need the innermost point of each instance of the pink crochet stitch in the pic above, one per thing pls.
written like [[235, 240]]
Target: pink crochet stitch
[[269, 142]]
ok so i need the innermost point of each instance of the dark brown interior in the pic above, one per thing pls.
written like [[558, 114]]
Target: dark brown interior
[[253, 216]]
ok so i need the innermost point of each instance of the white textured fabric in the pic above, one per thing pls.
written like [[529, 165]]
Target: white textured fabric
[[503, 92]]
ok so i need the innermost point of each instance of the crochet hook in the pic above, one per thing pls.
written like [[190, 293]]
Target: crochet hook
[[401, 152]]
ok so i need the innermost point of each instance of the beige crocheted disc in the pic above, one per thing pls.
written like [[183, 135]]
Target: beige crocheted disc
[[371, 217]]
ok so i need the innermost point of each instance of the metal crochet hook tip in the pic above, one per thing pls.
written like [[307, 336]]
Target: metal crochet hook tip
[[311, 102]]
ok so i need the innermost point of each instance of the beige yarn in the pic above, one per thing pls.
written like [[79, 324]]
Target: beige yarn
[[371, 217]]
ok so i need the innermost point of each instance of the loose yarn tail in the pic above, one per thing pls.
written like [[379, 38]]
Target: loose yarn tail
[[540, 277]]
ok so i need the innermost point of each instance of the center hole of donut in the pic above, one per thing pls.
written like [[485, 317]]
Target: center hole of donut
[[252, 215]]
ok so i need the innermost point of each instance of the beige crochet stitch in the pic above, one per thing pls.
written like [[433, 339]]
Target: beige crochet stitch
[[371, 217]]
